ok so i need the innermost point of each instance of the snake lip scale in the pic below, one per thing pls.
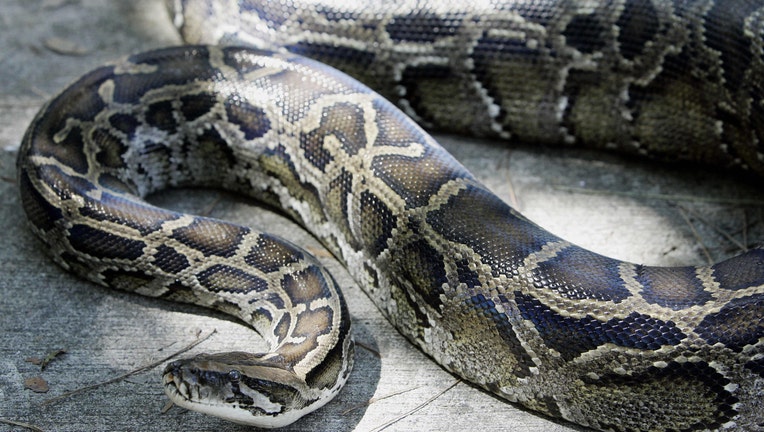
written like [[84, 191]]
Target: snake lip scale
[[486, 293]]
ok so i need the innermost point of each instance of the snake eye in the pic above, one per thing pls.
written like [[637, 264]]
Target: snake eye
[[234, 375]]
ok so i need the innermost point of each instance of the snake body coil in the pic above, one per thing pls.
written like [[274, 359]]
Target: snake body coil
[[486, 293]]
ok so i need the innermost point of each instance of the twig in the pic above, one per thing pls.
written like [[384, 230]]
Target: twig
[[369, 349], [508, 180], [745, 228], [209, 208], [167, 407], [665, 197], [21, 424], [128, 374], [373, 400], [419, 407], [722, 232], [696, 234]]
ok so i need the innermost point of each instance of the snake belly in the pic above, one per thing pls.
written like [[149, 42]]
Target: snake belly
[[489, 295]]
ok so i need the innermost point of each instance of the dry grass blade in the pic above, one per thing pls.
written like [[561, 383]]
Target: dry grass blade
[[665, 197], [373, 400], [21, 424], [741, 245], [697, 235], [131, 373], [373, 351], [419, 407]]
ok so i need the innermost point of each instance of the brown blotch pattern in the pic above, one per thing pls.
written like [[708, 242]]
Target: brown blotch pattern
[[271, 253], [110, 148], [220, 277], [169, 260], [310, 324], [415, 179], [741, 272], [306, 285], [41, 212], [378, 223], [281, 330], [211, 237], [675, 288]]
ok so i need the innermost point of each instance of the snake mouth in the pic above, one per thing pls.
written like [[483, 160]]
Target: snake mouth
[[175, 387], [181, 386]]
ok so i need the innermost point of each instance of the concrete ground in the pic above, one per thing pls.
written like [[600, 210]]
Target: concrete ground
[[633, 210]]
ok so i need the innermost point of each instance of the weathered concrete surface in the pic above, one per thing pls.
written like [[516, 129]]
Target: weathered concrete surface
[[45, 44]]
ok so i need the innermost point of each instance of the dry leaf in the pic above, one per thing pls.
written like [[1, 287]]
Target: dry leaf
[[37, 384], [64, 46]]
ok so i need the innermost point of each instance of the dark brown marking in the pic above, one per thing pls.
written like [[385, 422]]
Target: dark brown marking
[[41, 213], [124, 123], [578, 274], [64, 185], [675, 288], [310, 324], [343, 121], [215, 150], [279, 164], [221, 277], [271, 253], [306, 285], [251, 119], [69, 151], [738, 324], [169, 260], [416, 179], [501, 238], [422, 266], [585, 33], [115, 184], [336, 204], [211, 237], [110, 148], [573, 336], [424, 27], [161, 116], [281, 329], [637, 26], [741, 272], [101, 244], [176, 66], [378, 222], [195, 106], [394, 127]]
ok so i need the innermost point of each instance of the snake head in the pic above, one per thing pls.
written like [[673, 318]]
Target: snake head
[[239, 387]]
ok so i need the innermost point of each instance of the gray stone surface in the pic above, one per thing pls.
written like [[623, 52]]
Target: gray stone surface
[[638, 211]]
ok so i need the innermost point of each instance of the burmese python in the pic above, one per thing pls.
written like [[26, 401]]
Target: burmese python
[[486, 293]]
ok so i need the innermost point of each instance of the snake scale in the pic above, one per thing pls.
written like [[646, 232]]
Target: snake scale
[[486, 293]]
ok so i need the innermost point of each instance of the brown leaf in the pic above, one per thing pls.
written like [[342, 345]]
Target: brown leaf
[[37, 384], [64, 46]]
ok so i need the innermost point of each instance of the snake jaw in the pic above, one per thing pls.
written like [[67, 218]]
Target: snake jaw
[[264, 396]]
